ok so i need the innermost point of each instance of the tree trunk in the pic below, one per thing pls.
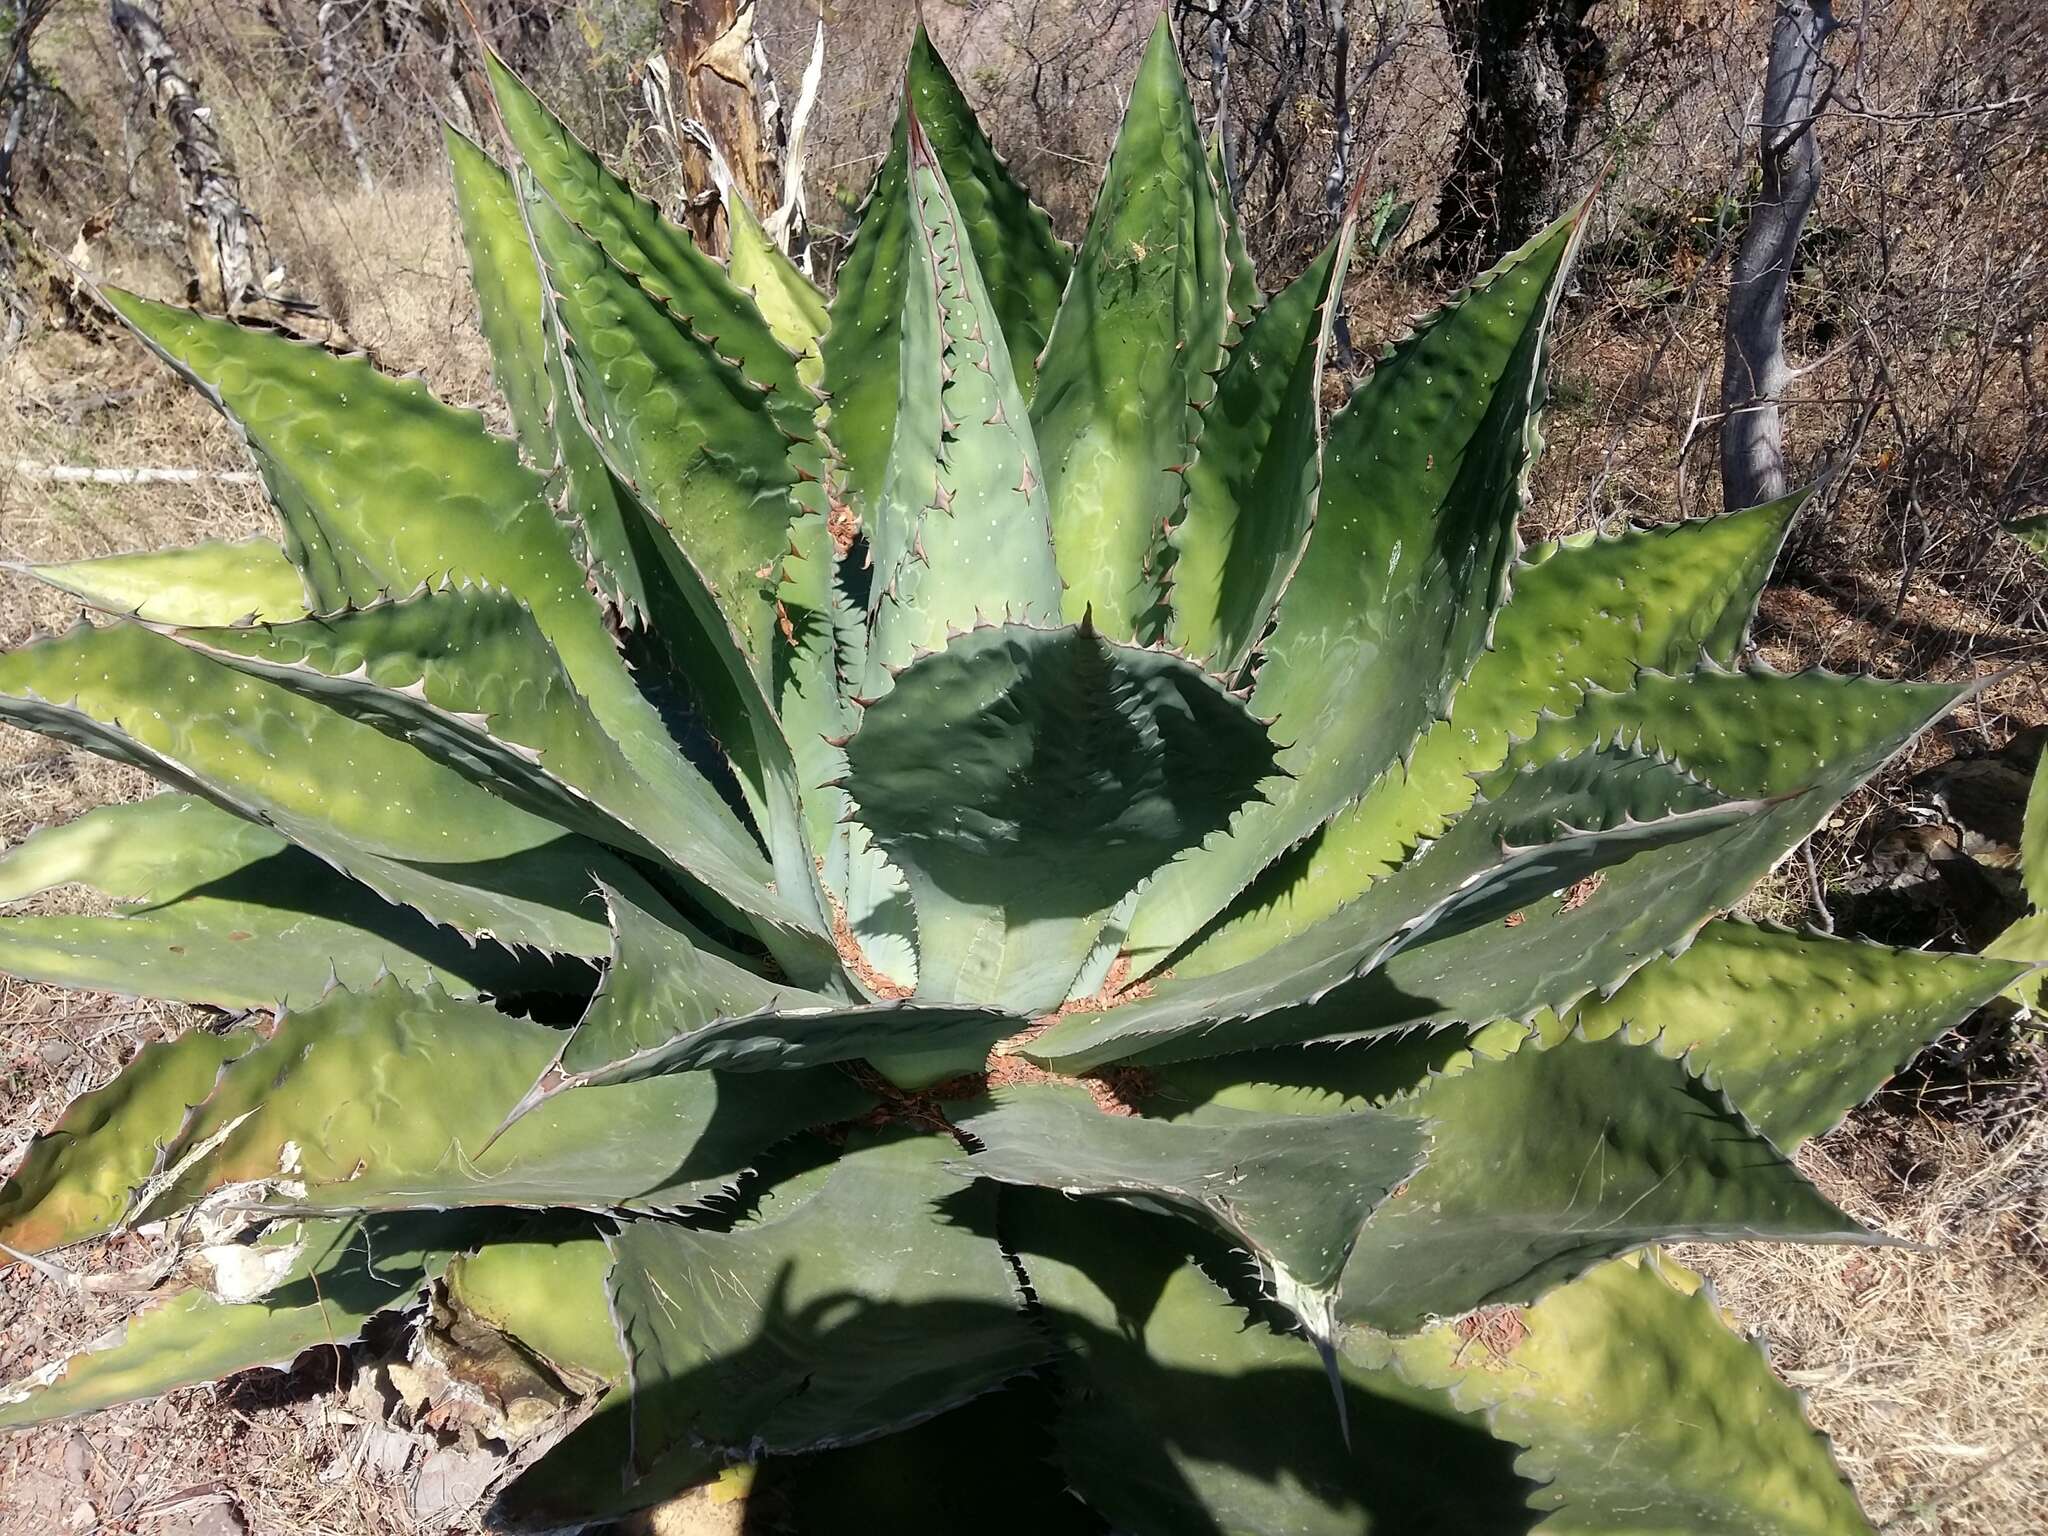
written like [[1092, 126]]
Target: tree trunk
[[1753, 369], [328, 58], [437, 29], [1533, 69], [706, 43], [221, 234], [18, 82]]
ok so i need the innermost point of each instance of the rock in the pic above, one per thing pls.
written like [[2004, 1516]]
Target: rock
[[220, 1518], [450, 1482], [386, 1451], [78, 1459], [56, 1053], [716, 1508]]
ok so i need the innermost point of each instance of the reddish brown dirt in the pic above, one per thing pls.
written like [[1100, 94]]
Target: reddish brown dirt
[[1497, 1330], [1115, 1090], [855, 960]]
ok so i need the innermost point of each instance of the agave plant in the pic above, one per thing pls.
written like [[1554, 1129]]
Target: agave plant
[[954, 895], [2027, 937]]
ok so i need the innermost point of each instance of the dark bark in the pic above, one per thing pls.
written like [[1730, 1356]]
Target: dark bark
[[1533, 70], [442, 25], [1754, 371], [17, 83], [221, 234], [1337, 183]]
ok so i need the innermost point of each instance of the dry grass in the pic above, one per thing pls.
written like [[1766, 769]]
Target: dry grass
[[264, 1454], [271, 1452], [1927, 1364]]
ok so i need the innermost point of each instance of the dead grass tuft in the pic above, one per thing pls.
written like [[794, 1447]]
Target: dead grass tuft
[[1928, 1364]]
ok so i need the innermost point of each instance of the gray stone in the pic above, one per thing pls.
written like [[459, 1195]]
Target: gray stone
[[78, 1458], [219, 1518], [386, 1451], [56, 1052], [450, 1482]]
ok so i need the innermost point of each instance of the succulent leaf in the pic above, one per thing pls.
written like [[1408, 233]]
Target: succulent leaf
[[339, 1275], [150, 852], [850, 1307], [510, 302], [1544, 824], [672, 1001], [1827, 735], [1022, 262], [449, 500], [465, 675], [1586, 613], [790, 302], [962, 533], [526, 361], [291, 1126], [76, 1182], [1026, 780], [1545, 1162], [1294, 1192], [1181, 1413], [1636, 1354], [2034, 843], [227, 913], [1252, 490], [815, 678], [2025, 941], [1128, 364], [712, 475], [1395, 594], [1797, 1029], [1109, 948], [1243, 290], [405, 826], [210, 583], [2031, 531], [693, 436], [544, 1286], [661, 255], [958, 530]]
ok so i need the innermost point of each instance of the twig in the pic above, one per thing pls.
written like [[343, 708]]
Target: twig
[[1821, 914], [80, 474]]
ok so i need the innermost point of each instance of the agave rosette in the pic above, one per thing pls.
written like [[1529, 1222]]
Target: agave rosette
[[616, 852]]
